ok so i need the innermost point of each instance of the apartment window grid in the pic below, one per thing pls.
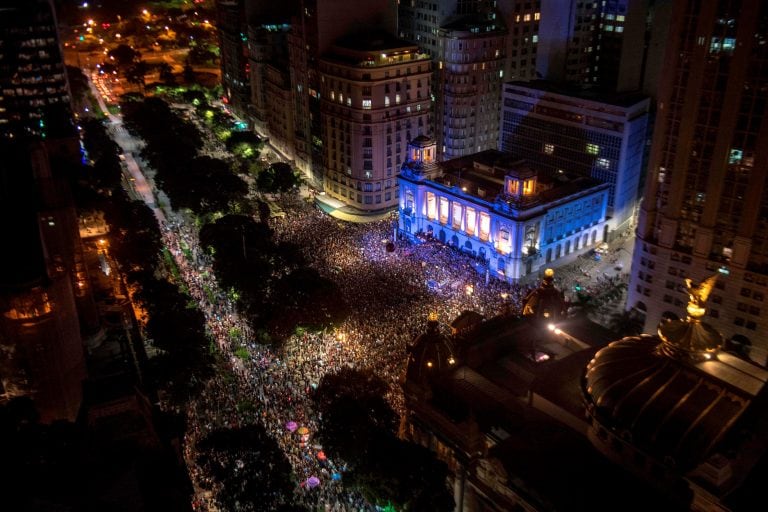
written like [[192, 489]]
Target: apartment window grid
[[522, 136]]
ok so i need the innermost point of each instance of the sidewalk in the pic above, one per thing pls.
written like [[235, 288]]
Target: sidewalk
[[341, 211]]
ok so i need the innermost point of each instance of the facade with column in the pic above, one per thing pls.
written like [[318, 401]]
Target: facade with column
[[375, 97], [499, 209], [706, 208], [566, 129]]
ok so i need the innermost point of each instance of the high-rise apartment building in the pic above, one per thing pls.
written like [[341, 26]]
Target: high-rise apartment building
[[522, 19], [34, 94], [233, 44], [317, 25], [42, 280], [267, 54], [613, 44], [375, 98], [573, 130], [466, 40], [420, 20], [706, 208], [469, 71]]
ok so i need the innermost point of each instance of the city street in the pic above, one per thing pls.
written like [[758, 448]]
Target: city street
[[355, 257]]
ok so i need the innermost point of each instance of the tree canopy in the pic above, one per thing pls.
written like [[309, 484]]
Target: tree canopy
[[205, 185], [278, 177], [124, 56], [358, 425], [249, 469]]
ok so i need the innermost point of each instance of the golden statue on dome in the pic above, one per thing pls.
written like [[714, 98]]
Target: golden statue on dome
[[692, 338], [698, 294]]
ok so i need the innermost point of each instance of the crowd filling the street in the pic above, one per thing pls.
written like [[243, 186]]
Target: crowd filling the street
[[391, 293]]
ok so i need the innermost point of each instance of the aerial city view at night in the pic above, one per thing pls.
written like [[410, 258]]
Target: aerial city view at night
[[383, 255]]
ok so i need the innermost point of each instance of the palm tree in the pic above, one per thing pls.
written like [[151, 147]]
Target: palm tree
[[626, 323], [166, 73], [584, 305]]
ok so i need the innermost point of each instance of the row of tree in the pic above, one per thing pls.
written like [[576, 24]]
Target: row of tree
[[175, 325], [202, 184]]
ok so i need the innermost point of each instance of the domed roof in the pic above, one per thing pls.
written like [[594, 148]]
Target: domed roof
[[422, 141], [431, 353], [671, 395]]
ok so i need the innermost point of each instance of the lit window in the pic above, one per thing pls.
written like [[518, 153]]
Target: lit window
[[609, 28], [341, 98], [485, 226], [397, 99], [609, 16], [549, 148], [349, 101], [620, 17], [527, 17], [333, 95], [367, 104], [458, 212], [517, 19], [593, 149], [537, 16], [470, 221], [431, 205], [735, 156], [535, 38], [444, 210], [619, 29], [604, 163], [386, 101]]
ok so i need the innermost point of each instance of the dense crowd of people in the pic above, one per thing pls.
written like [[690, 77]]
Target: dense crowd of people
[[389, 298], [390, 285]]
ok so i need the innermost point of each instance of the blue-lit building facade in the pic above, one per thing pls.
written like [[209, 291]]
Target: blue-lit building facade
[[499, 209]]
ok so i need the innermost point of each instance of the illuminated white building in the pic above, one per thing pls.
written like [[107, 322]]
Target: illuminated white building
[[500, 210]]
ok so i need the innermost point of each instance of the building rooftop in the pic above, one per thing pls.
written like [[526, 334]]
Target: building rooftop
[[619, 99], [481, 25], [373, 49], [482, 175], [496, 373]]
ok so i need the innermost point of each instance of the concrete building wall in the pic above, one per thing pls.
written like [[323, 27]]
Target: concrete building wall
[[470, 73], [370, 110], [705, 209], [585, 136]]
